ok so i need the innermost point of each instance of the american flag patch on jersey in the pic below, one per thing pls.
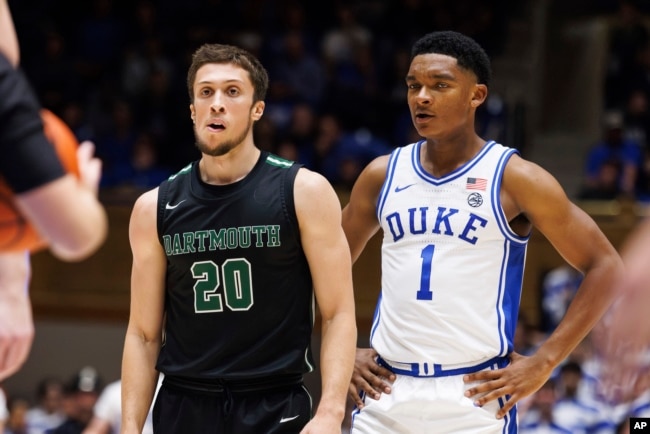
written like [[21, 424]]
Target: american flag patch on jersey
[[476, 184]]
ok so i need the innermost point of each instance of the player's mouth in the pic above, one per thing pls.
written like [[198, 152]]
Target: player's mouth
[[216, 126], [421, 117]]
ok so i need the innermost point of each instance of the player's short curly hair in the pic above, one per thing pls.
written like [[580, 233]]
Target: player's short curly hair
[[467, 52], [220, 53]]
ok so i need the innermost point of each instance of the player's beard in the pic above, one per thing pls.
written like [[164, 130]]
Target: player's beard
[[224, 147]]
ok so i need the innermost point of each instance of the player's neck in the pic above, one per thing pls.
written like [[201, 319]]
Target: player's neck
[[440, 158], [230, 167]]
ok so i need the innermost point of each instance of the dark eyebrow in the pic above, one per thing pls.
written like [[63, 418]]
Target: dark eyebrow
[[229, 81], [438, 76]]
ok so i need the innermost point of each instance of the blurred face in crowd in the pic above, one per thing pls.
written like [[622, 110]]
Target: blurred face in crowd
[[53, 398], [223, 110]]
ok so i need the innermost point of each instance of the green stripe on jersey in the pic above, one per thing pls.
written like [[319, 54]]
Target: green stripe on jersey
[[183, 171], [279, 162]]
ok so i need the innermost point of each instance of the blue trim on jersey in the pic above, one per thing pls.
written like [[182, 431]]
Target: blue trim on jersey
[[509, 298], [512, 267], [501, 314], [421, 369], [510, 419], [388, 180], [497, 208], [355, 409], [454, 174], [375, 318]]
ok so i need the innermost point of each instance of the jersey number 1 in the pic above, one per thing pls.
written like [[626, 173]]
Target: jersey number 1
[[424, 293], [237, 285]]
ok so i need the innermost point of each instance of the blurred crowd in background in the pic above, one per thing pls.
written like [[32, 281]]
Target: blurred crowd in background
[[618, 165], [115, 70]]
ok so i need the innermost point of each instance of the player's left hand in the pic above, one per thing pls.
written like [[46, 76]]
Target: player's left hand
[[522, 377]]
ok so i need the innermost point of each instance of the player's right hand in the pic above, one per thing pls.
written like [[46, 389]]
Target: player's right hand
[[369, 377]]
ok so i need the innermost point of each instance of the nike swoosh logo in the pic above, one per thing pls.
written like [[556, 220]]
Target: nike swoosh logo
[[398, 188], [287, 419], [168, 206]]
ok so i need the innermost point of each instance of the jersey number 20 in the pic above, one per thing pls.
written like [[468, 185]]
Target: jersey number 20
[[237, 285]]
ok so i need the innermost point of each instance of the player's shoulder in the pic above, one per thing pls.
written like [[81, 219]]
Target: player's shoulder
[[379, 164], [522, 169], [146, 204], [311, 182], [148, 197], [527, 182]]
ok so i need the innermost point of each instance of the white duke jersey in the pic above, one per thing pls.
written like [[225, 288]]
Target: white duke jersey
[[452, 268]]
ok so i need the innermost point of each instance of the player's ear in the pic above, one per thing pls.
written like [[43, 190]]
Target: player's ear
[[258, 110], [478, 95], [192, 113]]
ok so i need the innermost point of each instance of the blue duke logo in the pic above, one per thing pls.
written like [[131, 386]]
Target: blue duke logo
[[639, 424]]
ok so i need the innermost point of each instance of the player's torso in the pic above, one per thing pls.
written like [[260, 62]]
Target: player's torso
[[451, 267], [239, 297]]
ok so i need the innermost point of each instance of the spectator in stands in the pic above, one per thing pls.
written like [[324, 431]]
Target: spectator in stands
[[302, 129], [81, 393], [570, 411], [301, 70], [539, 419], [116, 143], [16, 423], [48, 411], [559, 286], [107, 413], [605, 158], [605, 184], [147, 169], [637, 118], [628, 33]]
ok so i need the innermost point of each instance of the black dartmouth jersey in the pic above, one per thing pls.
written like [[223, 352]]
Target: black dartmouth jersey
[[239, 298]]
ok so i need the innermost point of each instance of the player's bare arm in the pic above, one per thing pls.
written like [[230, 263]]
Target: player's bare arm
[[74, 235], [531, 192], [360, 224], [144, 331], [359, 215], [319, 217]]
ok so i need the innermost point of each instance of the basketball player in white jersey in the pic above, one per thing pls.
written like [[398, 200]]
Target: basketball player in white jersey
[[456, 212]]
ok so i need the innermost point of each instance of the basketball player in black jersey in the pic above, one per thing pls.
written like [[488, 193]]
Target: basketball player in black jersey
[[42, 189], [228, 255]]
